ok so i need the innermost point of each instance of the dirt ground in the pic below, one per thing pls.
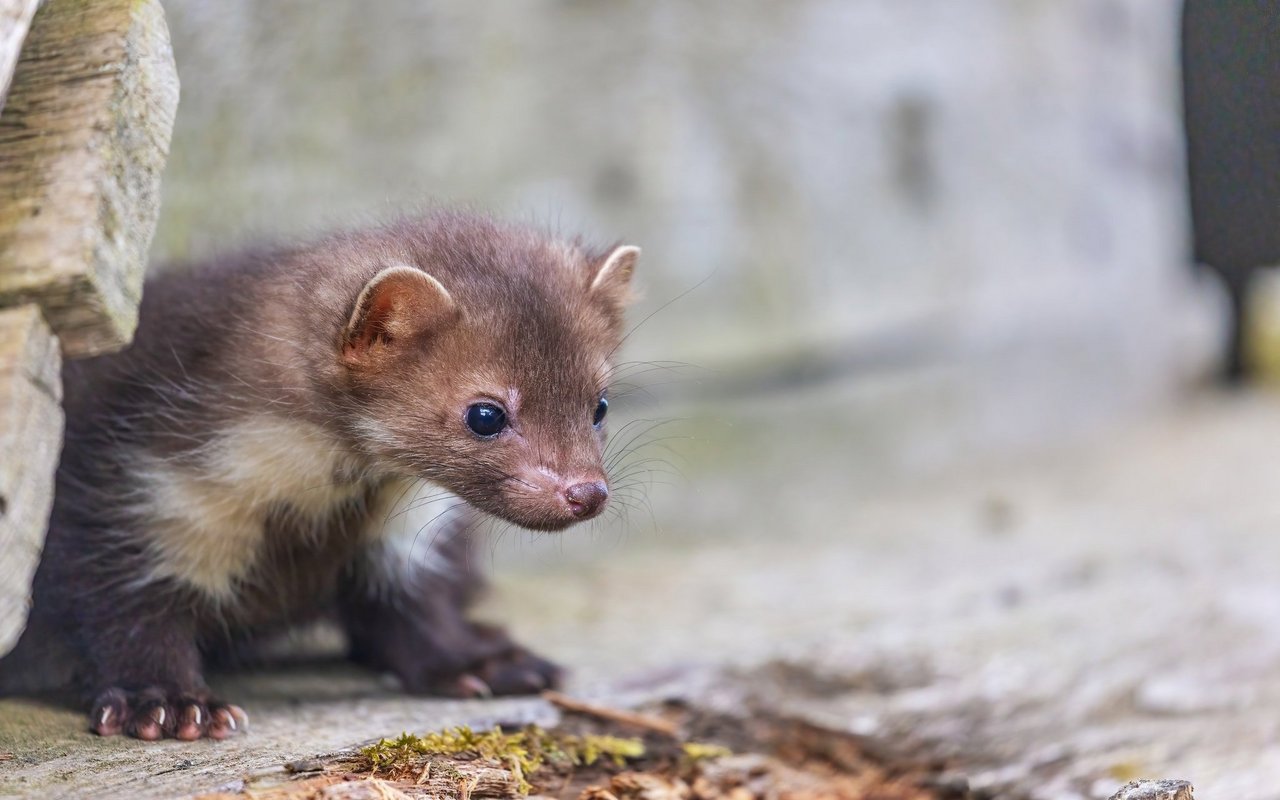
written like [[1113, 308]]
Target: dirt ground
[[1047, 626]]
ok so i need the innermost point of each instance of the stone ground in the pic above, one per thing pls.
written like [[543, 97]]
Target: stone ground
[[1051, 625]]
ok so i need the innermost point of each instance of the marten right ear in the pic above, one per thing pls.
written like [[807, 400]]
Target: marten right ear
[[611, 280], [397, 304]]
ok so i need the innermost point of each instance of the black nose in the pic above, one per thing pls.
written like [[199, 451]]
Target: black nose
[[586, 499]]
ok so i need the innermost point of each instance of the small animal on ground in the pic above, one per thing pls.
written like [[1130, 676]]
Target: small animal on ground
[[248, 464]]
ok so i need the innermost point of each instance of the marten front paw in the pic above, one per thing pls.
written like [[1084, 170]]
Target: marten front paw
[[153, 714], [513, 672]]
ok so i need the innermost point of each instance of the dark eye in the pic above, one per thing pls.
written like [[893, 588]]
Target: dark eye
[[486, 419], [602, 408]]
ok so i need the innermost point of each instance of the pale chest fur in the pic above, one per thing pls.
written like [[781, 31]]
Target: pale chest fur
[[205, 520]]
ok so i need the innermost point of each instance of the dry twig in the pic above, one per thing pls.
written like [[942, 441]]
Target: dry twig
[[646, 721]]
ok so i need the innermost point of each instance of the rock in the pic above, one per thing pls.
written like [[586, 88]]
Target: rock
[[1154, 790]]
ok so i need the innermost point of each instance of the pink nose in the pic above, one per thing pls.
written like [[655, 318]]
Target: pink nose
[[586, 499]]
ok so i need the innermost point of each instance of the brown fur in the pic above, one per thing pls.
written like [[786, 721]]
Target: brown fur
[[235, 471]]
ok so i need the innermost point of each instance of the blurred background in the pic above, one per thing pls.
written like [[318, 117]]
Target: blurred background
[[982, 203], [921, 297]]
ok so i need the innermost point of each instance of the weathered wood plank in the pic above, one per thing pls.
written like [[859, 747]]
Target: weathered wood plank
[[15, 20], [30, 440], [83, 139]]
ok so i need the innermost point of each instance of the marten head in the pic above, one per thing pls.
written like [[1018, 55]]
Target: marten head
[[480, 361]]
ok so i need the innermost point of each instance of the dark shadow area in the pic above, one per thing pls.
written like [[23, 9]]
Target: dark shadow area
[[1231, 96]]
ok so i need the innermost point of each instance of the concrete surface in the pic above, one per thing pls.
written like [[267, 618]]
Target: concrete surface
[[1051, 626]]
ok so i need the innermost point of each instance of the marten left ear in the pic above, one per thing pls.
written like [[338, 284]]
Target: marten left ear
[[612, 279], [396, 304]]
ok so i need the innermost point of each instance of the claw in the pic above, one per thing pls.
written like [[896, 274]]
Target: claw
[[146, 715], [238, 715], [227, 720], [189, 725], [473, 686], [534, 678]]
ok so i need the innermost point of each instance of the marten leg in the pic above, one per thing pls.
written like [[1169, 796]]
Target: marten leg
[[407, 614], [144, 676]]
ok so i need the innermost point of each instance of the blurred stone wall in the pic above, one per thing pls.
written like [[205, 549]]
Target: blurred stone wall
[[999, 183]]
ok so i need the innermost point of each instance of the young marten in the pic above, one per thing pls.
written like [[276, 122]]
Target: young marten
[[240, 468]]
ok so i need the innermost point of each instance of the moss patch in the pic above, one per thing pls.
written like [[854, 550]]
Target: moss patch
[[523, 752]]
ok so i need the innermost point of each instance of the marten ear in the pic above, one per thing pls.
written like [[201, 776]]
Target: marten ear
[[612, 279], [398, 303]]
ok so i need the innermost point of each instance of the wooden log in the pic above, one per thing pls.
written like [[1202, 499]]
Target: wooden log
[[15, 20], [83, 138], [30, 440]]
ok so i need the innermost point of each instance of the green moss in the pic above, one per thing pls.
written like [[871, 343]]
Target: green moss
[[590, 749], [700, 751], [523, 752]]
